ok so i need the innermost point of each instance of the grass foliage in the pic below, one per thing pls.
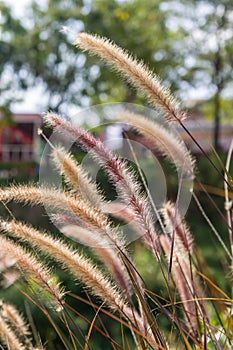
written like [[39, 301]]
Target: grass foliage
[[192, 312]]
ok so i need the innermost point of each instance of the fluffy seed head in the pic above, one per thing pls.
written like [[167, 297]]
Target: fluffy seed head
[[123, 178], [56, 199], [8, 337], [76, 177], [31, 267], [135, 72], [174, 223], [82, 268], [157, 136]]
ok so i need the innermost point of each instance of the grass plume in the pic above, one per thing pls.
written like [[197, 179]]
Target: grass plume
[[134, 71], [76, 177], [8, 337], [119, 173], [29, 266], [54, 199], [159, 137]]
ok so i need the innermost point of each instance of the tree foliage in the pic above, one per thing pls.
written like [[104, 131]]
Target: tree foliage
[[188, 42], [207, 36], [38, 53]]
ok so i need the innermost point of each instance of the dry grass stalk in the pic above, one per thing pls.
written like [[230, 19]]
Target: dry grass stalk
[[16, 327], [105, 252], [76, 177], [84, 189], [178, 245], [64, 202], [128, 187], [17, 324], [83, 205], [182, 284], [105, 239], [10, 313], [54, 199], [102, 244], [8, 337], [159, 137], [177, 227], [135, 72], [83, 269], [32, 268], [45, 242]]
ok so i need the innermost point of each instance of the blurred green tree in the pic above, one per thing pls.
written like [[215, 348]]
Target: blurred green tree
[[207, 53], [10, 29], [188, 42], [35, 51]]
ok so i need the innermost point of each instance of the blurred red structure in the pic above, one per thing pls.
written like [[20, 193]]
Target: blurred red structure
[[19, 141]]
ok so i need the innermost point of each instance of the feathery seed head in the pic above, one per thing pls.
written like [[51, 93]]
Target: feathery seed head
[[174, 223], [135, 72], [161, 138], [119, 173], [82, 268], [76, 177], [8, 337], [34, 269], [54, 198]]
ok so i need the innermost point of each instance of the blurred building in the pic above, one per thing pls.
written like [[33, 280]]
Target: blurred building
[[203, 132], [19, 140]]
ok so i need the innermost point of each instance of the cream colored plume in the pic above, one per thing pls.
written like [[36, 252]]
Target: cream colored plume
[[105, 250], [32, 268], [134, 71], [159, 137], [76, 177], [56, 199]]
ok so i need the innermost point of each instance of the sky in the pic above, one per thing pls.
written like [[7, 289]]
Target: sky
[[19, 7]]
